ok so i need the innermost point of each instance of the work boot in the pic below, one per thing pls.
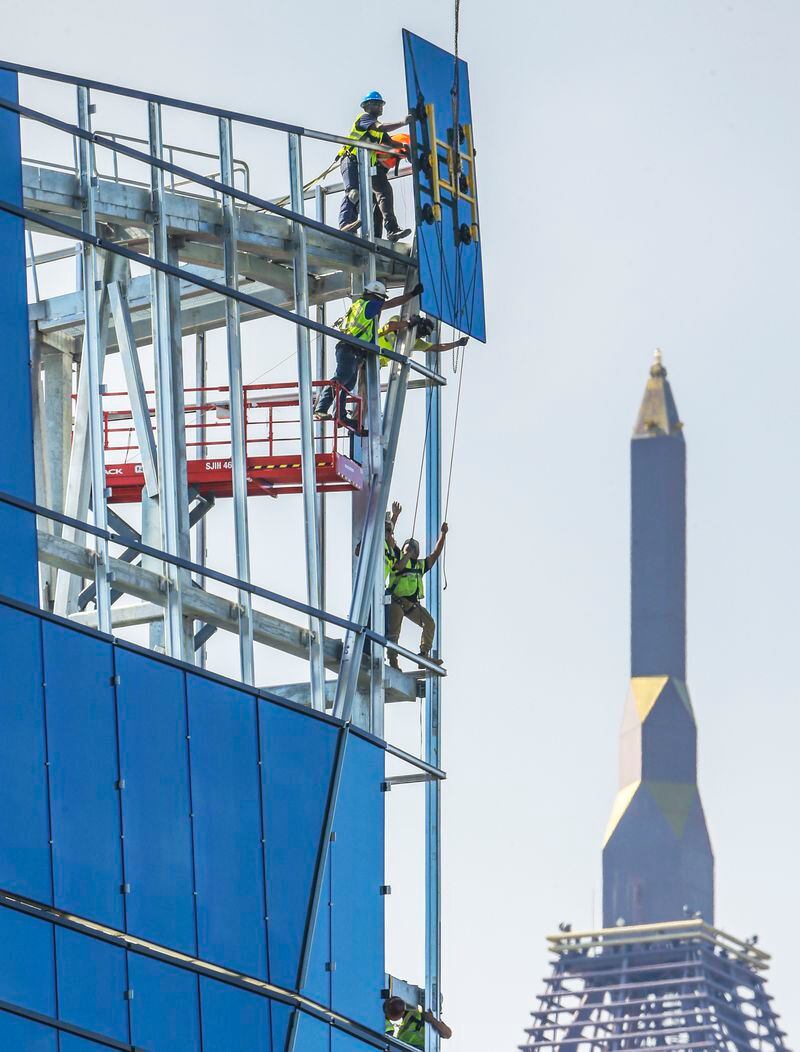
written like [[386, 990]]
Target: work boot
[[351, 424], [392, 661], [397, 235], [350, 227], [322, 414]]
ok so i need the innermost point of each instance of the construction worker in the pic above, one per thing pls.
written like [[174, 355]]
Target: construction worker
[[408, 1024], [367, 126], [407, 590], [362, 322], [388, 333]]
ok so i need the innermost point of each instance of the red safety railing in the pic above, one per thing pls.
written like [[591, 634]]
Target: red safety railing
[[272, 441]]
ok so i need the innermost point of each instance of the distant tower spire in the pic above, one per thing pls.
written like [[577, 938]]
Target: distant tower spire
[[657, 858]]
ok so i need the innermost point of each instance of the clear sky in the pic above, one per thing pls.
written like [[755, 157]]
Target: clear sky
[[639, 166]]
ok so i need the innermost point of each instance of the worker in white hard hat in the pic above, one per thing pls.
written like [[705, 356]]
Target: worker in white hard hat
[[361, 322], [368, 127], [423, 327]]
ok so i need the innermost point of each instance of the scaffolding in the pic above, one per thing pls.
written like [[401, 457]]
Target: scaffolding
[[683, 984], [176, 255]]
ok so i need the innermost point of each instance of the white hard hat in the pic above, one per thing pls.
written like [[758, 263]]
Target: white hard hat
[[377, 288]]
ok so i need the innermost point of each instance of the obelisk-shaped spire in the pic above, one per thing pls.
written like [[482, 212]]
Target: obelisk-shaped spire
[[657, 858]]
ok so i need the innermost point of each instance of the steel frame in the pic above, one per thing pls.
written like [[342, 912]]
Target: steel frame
[[281, 248]]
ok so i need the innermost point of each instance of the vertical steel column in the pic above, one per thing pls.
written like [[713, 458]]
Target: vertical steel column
[[92, 359], [366, 205], [165, 396], [367, 567], [433, 512], [201, 552], [238, 447], [309, 467], [319, 431], [76, 497]]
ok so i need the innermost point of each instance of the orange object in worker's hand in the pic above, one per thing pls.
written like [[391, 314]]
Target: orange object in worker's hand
[[391, 160]]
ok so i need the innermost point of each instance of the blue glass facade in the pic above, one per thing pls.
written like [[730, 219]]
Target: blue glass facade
[[151, 799]]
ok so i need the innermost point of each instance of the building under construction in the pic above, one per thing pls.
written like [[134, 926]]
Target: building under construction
[[189, 858], [659, 974]]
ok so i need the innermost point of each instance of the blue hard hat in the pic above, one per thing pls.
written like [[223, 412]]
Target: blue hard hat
[[374, 96]]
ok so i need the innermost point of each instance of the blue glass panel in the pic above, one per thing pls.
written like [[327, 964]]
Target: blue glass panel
[[450, 268], [313, 1035], [227, 826], [70, 1043], [357, 869], [341, 1042], [280, 1014], [24, 817], [297, 752], [92, 981], [81, 727], [318, 981], [233, 1019], [165, 1010], [27, 976], [23, 1035], [18, 557], [154, 763]]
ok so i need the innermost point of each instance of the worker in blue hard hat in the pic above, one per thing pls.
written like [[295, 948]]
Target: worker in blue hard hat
[[367, 126], [361, 322]]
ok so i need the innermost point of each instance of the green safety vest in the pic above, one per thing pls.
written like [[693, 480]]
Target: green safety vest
[[356, 323], [387, 339], [359, 134], [408, 583], [412, 1029], [389, 557]]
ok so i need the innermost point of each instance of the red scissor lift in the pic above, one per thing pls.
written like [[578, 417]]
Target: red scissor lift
[[272, 442]]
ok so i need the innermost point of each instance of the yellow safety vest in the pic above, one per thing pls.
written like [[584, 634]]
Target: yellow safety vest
[[360, 134], [390, 555], [387, 338], [408, 583], [412, 1029], [356, 323]]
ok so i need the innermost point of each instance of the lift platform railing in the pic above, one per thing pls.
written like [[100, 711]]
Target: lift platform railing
[[272, 441]]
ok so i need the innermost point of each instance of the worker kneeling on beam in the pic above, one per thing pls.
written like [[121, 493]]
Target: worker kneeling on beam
[[360, 322], [368, 127], [408, 1024], [407, 590], [423, 327]]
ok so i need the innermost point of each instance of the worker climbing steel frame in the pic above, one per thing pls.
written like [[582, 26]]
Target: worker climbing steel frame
[[163, 579]]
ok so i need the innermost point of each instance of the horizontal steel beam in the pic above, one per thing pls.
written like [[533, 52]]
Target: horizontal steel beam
[[198, 604], [115, 248]]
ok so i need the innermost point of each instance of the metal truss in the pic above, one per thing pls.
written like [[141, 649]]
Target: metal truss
[[217, 257], [685, 985]]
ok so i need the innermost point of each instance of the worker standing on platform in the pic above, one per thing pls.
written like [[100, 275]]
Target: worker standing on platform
[[408, 1024], [388, 333], [368, 127], [407, 591], [361, 322]]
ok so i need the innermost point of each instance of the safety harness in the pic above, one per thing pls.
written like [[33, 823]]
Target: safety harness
[[359, 134]]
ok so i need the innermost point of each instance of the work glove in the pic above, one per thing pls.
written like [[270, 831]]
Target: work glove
[[463, 341], [418, 289]]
